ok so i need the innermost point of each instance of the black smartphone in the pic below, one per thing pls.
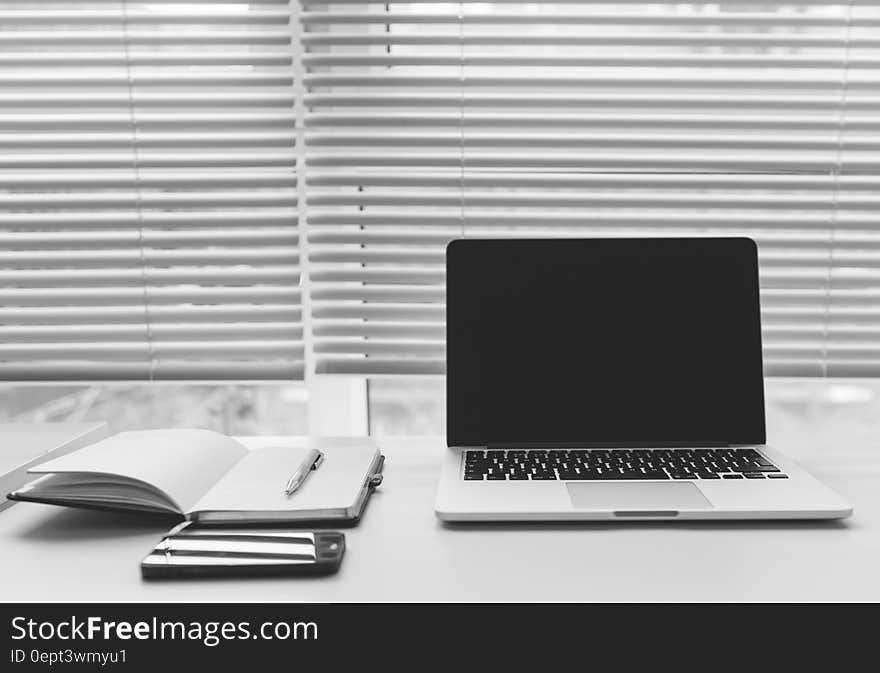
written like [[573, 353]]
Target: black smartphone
[[189, 551]]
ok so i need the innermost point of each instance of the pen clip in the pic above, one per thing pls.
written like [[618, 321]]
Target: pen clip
[[318, 460], [375, 479]]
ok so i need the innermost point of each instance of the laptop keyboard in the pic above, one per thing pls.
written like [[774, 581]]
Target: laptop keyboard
[[617, 464]]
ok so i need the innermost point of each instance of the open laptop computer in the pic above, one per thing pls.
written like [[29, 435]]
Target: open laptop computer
[[594, 379]]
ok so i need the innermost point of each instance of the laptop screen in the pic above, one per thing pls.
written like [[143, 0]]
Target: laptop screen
[[604, 342]]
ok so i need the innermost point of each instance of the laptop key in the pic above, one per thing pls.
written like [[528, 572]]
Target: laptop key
[[753, 475], [653, 474], [746, 469], [731, 476], [778, 475], [473, 477]]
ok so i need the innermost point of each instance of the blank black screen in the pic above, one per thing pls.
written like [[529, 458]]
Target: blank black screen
[[617, 342]]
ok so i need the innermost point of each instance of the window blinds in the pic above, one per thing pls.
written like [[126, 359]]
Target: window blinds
[[429, 121], [148, 191]]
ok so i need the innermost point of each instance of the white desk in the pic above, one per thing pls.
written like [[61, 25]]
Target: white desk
[[401, 552]]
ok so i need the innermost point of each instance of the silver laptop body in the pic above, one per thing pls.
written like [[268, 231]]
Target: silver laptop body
[[611, 379]]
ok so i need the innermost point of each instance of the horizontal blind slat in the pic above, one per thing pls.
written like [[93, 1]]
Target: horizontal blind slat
[[180, 238], [550, 80], [633, 140], [706, 160], [196, 275], [159, 200], [370, 120], [126, 351], [432, 180], [206, 370], [114, 315], [537, 39], [580, 60], [195, 218], [120, 58], [601, 220], [590, 18], [61, 334], [631, 102], [134, 16], [134, 296]]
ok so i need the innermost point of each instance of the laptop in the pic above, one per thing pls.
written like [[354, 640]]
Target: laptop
[[610, 379]]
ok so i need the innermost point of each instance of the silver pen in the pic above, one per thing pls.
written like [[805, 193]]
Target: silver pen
[[311, 462]]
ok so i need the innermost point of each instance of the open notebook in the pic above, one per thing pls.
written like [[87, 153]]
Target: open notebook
[[208, 477]]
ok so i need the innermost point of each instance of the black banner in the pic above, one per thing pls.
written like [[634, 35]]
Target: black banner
[[179, 637]]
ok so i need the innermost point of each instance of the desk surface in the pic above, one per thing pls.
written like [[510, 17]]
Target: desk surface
[[401, 552]]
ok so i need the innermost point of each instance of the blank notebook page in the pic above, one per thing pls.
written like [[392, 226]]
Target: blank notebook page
[[257, 482], [182, 463]]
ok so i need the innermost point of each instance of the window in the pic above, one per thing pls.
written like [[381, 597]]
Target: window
[[217, 194], [237, 409], [429, 121], [148, 192], [407, 405]]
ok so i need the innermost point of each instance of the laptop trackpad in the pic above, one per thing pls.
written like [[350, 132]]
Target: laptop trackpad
[[634, 499]]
